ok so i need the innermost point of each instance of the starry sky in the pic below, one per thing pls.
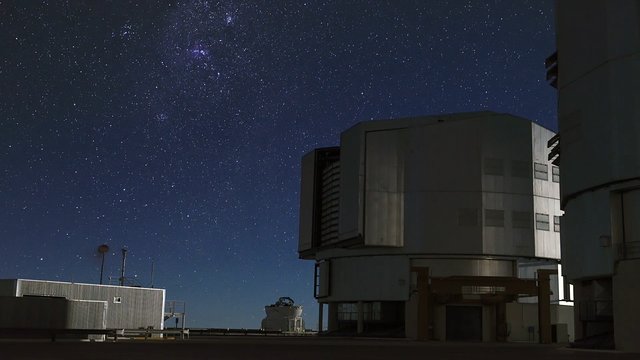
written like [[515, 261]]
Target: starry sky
[[176, 128]]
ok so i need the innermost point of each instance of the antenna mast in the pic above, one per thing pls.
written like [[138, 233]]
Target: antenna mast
[[102, 249]]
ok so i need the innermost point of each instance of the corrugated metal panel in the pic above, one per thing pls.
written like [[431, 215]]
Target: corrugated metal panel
[[375, 278], [84, 314], [351, 183], [8, 287], [330, 194], [139, 307], [307, 194], [33, 312], [41, 312]]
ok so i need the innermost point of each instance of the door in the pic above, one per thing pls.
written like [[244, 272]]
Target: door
[[464, 323]]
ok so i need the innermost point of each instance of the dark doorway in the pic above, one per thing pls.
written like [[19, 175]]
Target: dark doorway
[[464, 323]]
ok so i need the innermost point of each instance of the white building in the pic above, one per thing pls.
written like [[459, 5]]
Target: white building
[[597, 70], [434, 228]]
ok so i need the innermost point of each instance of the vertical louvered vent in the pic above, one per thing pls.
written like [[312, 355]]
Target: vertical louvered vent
[[330, 193]]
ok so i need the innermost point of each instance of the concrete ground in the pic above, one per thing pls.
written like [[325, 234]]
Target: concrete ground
[[283, 348]]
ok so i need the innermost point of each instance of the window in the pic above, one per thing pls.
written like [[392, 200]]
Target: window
[[468, 217], [321, 279], [521, 169], [117, 299], [568, 291], [555, 174], [556, 223], [521, 219], [375, 311], [493, 166], [542, 222], [349, 311], [540, 171], [494, 218]]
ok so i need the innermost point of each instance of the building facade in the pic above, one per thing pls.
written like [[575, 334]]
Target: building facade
[[595, 71], [435, 227]]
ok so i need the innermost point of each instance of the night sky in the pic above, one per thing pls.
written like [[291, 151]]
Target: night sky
[[176, 128]]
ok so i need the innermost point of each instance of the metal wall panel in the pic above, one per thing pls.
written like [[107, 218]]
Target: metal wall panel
[[466, 267], [40, 312], [384, 187], [586, 220], [84, 314], [443, 180], [33, 312], [307, 195], [138, 307], [8, 287], [372, 278], [351, 183]]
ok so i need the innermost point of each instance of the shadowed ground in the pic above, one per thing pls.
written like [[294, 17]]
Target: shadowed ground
[[283, 348]]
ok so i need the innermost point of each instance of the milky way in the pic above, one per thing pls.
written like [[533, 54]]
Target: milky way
[[176, 128]]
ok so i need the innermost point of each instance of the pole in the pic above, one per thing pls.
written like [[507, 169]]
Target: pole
[[124, 262], [152, 268], [102, 269]]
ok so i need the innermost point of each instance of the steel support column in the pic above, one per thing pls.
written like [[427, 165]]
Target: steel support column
[[320, 316]]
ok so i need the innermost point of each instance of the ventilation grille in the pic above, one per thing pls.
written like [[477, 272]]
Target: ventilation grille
[[330, 194]]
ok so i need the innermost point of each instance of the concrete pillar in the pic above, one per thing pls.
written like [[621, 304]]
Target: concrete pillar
[[501, 321], [423, 302], [320, 316], [544, 305], [332, 321], [626, 295], [360, 317]]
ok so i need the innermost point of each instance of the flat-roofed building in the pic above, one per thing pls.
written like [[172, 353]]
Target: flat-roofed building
[[41, 304]]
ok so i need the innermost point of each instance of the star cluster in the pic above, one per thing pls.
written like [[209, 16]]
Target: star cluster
[[176, 128]]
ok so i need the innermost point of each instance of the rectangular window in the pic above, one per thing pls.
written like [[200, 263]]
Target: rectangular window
[[555, 174], [567, 291], [321, 279], [521, 169], [371, 311], [117, 300], [468, 217], [494, 218], [542, 222], [493, 166], [521, 219], [540, 171], [348, 312], [556, 223]]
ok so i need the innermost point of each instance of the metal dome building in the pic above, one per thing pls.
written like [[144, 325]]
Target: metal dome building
[[435, 228]]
